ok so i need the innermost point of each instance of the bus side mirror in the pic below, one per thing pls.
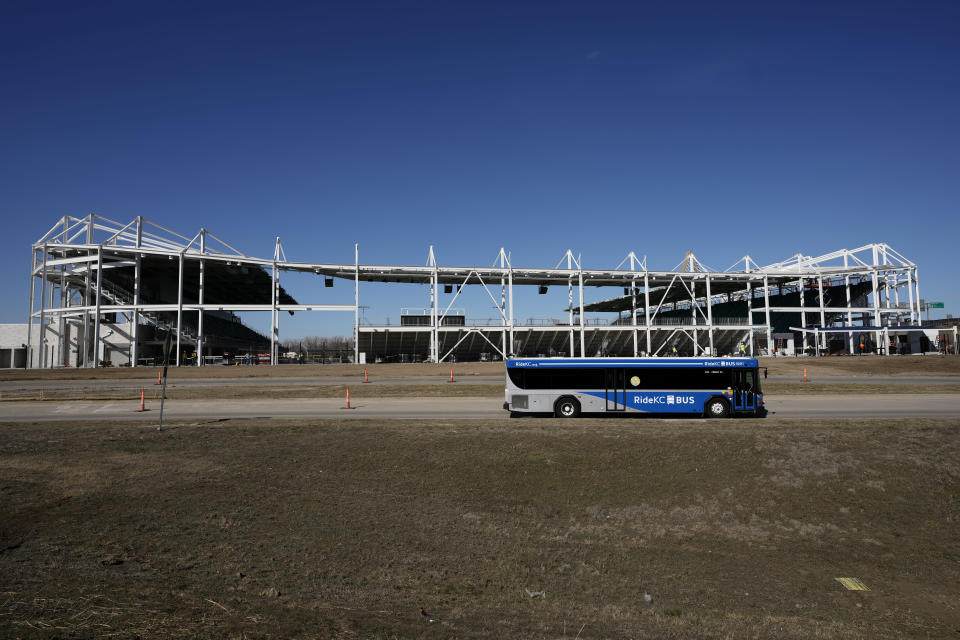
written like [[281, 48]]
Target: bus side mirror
[[764, 373]]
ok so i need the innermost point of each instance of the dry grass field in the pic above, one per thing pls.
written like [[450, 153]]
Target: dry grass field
[[817, 367], [392, 380], [387, 390], [329, 529]]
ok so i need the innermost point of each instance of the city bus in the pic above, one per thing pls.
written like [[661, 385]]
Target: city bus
[[569, 387]]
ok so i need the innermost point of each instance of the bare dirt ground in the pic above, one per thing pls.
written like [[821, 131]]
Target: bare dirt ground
[[324, 529], [817, 367], [472, 379], [864, 366]]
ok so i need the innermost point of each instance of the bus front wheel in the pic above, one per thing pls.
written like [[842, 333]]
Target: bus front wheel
[[566, 408], [717, 408]]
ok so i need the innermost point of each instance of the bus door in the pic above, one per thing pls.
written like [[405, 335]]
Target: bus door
[[744, 397], [616, 384]]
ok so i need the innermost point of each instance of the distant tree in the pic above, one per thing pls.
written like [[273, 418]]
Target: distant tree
[[323, 347]]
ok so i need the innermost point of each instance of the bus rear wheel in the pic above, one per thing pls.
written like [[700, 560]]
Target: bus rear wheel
[[717, 408], [566, 407]]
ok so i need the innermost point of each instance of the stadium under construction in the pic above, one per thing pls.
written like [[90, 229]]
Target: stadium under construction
[[103, 292]]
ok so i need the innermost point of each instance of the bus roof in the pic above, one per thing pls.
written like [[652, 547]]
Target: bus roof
[[743, 363]]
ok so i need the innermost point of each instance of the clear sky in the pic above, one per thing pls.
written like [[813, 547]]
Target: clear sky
[[725, 128]]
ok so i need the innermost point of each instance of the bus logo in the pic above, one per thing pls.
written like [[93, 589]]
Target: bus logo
[[635, 380]]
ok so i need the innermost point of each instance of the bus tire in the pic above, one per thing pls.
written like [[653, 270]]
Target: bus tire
[[566, 407], [716, 408]]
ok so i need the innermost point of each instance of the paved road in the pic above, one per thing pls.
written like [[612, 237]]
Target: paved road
[[298, 381], [295, 381], [805, 406]]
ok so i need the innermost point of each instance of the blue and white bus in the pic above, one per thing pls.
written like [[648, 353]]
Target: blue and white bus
[[568, 387]]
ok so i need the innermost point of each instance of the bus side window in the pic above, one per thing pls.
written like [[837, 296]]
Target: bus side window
[[748, 381]]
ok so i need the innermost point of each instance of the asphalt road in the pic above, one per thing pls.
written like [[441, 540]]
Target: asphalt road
[[801, 406], [294, 381]]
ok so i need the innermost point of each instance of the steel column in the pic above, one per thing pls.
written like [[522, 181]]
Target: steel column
[[710, 318], [86, 297], [766, 305], [570, 310], [583, 349], [179, 306], [50, 295], [96, 317], [43, 302], [876, 303], [356, 303], [693, 311], [510, 288], [33, 284], [63, 342], [503, 305], [435, 311], [803, 314], [646, 305], [910, 293], [203, 248], [633, 309], [137, 275], [750, 313], [273, 314], [823, 316], [846, 280]]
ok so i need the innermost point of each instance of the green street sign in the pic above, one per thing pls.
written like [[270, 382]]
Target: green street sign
[[935, 305]]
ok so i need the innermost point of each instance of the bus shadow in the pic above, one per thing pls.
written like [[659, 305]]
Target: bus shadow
[[633, 416]]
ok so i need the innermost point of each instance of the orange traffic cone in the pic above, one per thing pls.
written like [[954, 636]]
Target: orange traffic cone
[[804, 374], [348, 397], [365, 378], [142, 404], [159, 373], [451, 375]]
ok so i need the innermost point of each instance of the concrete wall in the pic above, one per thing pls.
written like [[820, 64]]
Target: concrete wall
[[13, 338], [115, 345]]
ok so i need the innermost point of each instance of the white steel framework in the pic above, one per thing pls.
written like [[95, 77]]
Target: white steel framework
[[871, 289]]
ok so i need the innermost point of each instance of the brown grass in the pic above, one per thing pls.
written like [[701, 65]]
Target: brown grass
[[318, 529], [826, 366], [864, 366], [152, 392], [386, 390]]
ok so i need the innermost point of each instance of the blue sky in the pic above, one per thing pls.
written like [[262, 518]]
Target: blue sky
[[723, 128]]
